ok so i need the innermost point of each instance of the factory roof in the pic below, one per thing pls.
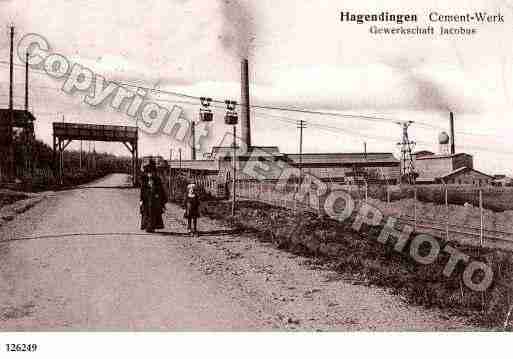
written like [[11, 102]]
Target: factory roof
[[455, 172], [344, 158], [256, 151], [427, 180], [446, 176], [438, 156], [463, 170], [271, 150], [502, 177], [423, 153], [200, 165]]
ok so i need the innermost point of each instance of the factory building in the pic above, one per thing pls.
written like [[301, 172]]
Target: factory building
[[448, 167], [439, 165], [467, 176], [253, 162], [267, 162], [349, 168]]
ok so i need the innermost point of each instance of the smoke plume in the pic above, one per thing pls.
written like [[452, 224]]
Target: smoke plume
[[238, 28]]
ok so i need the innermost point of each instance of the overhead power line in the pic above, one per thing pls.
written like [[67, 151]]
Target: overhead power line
[[221, 104], [222, 101], [338, 130]]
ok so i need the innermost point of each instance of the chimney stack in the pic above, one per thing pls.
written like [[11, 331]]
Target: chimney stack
[[26, 82], [11, 70], [453, 149], [245, 120]]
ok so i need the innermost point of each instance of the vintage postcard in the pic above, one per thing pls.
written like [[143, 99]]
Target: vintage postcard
[[236, 165]]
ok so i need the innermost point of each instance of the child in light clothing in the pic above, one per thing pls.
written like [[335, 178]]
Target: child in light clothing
[[191, 204]]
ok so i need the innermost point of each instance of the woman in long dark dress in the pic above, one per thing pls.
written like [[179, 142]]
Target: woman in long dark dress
[[152, 200], [192, 204]]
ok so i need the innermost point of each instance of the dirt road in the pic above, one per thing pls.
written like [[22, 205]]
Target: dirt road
[[77, 261]]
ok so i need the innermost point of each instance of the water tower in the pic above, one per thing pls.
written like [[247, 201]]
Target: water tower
[[444, 143]]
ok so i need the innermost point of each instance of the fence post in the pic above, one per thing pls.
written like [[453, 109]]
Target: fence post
[[366, 191], [388, 195], [415, 209], [481, 214], [447, 212]]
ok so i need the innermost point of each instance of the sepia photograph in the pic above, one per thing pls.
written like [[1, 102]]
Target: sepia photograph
[[244, 166]]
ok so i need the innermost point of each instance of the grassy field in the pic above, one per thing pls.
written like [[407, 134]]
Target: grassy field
[[494, 198]]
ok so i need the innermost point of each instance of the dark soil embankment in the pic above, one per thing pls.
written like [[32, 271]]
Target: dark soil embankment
[[8, 197], [360, 257], [13, 203]]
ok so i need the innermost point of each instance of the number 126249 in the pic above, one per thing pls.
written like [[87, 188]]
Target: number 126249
[[21, 347]]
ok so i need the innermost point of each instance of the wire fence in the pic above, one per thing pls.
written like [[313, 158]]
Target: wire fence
[[451, 212]]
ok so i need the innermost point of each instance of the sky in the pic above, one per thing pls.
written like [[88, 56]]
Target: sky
[[301, 56]]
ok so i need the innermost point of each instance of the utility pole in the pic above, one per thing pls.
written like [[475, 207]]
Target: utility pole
[[193, 144], [94, 156], [169, 169], [61, 159], [135, 156], [10, 161], [180, 160], [28, 132], [234, 168], [301, 124], [231, 118]]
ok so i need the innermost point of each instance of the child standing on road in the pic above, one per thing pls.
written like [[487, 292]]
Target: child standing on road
[[191, 204]]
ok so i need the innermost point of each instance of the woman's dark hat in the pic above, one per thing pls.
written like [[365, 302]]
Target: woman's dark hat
[[150, 166]]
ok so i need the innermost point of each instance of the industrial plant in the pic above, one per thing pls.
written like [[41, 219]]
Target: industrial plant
[[224, 218], [354, 168], [420, 167]]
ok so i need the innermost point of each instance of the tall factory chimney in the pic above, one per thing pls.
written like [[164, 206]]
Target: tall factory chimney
[[11, 70], [245, 119], [453, 148], [26, 82]]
